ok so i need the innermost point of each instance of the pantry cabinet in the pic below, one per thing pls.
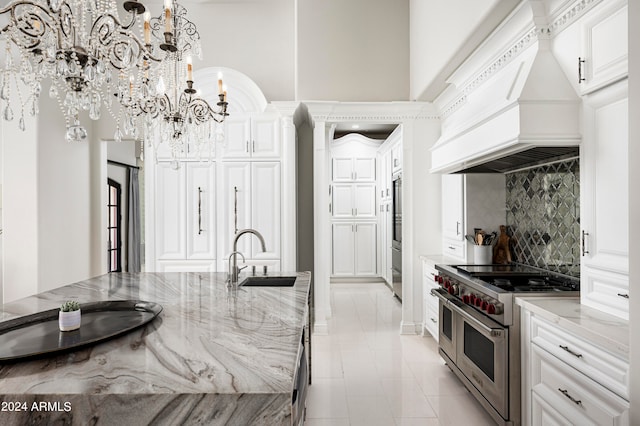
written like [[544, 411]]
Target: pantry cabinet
[[185, 216], [351, 201], [356, 169], [251, 195], [354, 249], [251, 136], [604, 201]]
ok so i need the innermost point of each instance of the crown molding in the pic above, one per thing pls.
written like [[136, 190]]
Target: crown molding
[[372, 112]]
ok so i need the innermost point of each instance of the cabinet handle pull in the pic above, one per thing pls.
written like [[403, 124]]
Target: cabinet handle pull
[[566, 348], [253, 146], [434, 321], [584, 234], [356, 228], [452, 248], [626, 296], [199, 210], [235, 210], [580, 69], [432, 274], [566, 393], [246, 148], [457, 228]]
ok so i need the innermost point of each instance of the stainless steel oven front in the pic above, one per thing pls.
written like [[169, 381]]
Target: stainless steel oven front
[[477, 347]]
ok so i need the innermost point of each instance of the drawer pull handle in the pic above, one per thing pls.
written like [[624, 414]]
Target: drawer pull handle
[[452, 248], [566, 393], [432, 274], [434, 321], [626, 296], [566, 348]]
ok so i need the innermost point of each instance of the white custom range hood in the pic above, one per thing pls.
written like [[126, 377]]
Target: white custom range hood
[[524, 113]]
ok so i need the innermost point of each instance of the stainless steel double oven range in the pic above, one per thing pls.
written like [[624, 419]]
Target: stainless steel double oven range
[[480, 327]]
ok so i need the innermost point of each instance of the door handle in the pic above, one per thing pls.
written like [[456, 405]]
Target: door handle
[[200, 211], [584, 234]]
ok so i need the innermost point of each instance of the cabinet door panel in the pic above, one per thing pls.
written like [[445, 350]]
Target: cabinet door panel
[[343, 248], [342, 201], [170, 212], [365, 241], [237, 137], [342, 169], [265, 208], [365, 200], [265, 137], [452, 207], [201, 230], [364, 169], [236, 193]]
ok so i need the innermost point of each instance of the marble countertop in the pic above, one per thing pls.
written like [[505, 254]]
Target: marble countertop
[[597, 327], [435, 259], [207, 340]]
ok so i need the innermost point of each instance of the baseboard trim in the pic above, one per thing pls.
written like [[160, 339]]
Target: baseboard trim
[[409, 328]]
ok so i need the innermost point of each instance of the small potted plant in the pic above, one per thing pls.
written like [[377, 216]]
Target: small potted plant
[[69, 316]]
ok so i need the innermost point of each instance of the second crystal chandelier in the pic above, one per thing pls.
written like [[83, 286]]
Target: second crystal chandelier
[[165, 101]]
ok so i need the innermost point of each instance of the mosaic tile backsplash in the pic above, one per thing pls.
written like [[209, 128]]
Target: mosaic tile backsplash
[[543, 216]]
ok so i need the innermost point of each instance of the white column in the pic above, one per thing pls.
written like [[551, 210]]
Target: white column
[[289, 221], [322, 240]]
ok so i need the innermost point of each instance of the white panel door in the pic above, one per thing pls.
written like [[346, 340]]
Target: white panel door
[[343, 249], [265, 208], [364, 200], [237, 137], [342, 201], [364, 169], [170, 212], [201, 217], [265, 137], [365, 249], [342, 169], [235, 195]]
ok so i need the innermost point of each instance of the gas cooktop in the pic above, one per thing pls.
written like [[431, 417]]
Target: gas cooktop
[[520, 278], [512, 269]]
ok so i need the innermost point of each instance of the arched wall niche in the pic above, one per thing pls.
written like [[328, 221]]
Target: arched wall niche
[[243, 94]]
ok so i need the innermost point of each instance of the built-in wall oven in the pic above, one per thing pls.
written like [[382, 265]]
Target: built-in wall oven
[[396, 236], [479, 328]]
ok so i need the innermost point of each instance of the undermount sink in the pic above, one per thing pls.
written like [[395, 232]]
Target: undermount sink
[[268, 281]]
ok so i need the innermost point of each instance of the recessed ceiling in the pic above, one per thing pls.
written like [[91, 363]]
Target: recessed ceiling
[[370, 130]]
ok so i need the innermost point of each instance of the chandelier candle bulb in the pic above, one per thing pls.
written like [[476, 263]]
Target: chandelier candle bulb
[[167, 16], [189, 69], [147, 28], [219, 83]]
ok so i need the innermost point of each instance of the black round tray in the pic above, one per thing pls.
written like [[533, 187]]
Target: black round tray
[[38, 334]]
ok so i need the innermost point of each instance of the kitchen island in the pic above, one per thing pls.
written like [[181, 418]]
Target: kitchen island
[[214, 355]]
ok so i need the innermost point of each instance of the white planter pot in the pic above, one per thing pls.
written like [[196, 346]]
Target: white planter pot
[[69, 321]]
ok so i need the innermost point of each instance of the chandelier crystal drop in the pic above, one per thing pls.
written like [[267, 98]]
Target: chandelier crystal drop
[[161, 104], [80, 46]]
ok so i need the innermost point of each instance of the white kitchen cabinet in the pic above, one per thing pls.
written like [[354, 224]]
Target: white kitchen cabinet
[[354, 169], [350, 201], [430, 304], [568, 379], [453, 225], [251, 194], [396, 158], [384, 176], [252, 136], [185, 212], [604, 201], [384, 241], [354, 249], [604, 46]]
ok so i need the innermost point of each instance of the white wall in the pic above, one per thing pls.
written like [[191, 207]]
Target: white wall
[[356, 50], [443, 33]]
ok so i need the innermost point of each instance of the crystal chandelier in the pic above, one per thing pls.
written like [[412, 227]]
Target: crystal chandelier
[[170, 110], [82, 46]]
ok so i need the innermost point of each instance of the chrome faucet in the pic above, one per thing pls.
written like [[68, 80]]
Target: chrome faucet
[[234, 271]]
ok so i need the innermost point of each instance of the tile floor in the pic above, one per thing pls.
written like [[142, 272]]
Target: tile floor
[[366, 373]]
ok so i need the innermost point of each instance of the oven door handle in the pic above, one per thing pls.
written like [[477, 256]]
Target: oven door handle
[[464, 312]]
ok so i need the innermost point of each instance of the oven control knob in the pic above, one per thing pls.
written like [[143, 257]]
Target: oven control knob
[[479, 302], [440, 279], [497, 308], [491, 308], [447, 284], [466, 298], [453, 289], [436, 277], [485, 305], [472, 299]]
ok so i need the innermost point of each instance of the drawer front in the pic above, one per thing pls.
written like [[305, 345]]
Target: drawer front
[[595, 362], [573, 394], [605, 290], [547, 413], [454, 249]]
